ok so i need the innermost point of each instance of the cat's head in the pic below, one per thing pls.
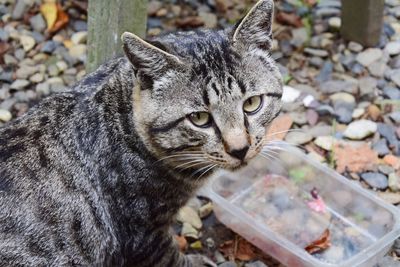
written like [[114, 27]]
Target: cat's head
[[205, 98]]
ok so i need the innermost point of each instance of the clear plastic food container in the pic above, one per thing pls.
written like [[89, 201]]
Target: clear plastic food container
[[285, 202]]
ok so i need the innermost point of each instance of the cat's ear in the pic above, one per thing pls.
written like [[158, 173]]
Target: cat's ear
[[255, 29], [146, 57]]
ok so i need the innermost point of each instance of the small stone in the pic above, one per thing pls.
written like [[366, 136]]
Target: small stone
[[345, 97], [255, 264], [357, 113], [78, 51], [395, 77], [395, 116], [43, 89], [37, 23], [20, 8], [53, 70], [389, 133], [335, 22], [312, 117], [368, 56], [367, 86], [210, 19], [374, 112], [394, 182], [79, 38], [298, 118], [335, 86], [25, 72], [290, 94], [344, 111], [385, 169], [316, 52], [5, 115], [27, 42], [377, 69], [299, 37], [393, 161], [189, 231], [381, 147], [392, 198], [19, 84], [375, 180], [189, 215], [324, 110], [206, 210], [37, 78], [393, 48], [228, 264], [361, 129], [391, 93], [80, 25], [49, 47], [298, 138], [325, 142], [355, 47]]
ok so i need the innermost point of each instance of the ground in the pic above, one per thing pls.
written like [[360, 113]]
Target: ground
[[342, 101]]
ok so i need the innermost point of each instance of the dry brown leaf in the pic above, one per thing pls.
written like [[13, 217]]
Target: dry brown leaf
[[49, 12], [279, 127], [62, 20], [239, 249], [320, 244], [182, 242], [354, 159]]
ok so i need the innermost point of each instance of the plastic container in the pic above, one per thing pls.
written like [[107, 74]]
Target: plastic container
[[269, 201]]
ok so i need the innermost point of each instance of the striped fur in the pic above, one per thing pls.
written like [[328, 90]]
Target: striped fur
[[95, 176]]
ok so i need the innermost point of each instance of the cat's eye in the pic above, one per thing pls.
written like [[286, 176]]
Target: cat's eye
[[200, 119], [253, 104]]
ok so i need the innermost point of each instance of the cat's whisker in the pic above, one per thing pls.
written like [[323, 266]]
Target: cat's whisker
[[189, 162], [207, 170], [285, 131]]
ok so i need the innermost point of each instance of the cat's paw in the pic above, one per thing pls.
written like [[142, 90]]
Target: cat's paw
[[200, 261]]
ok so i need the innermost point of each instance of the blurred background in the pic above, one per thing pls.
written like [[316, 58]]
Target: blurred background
[[341, 75]]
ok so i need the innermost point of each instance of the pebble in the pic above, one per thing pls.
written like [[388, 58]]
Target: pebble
[[37, 78], [228, 264], [20, 8], [335, 22], [391, 92], [316, 52], [394, 182], [355, 47], [24, 72], [367, 86], [19, 84], [357, 113], [290, 94], [395, 77], [27, 42], [49, 47], [299, 118], [300, 37], [78, 51], [395, 116], [344, 97], [393, 48], [325, 142], [389, 133], [388, 261], [360, 129], [335, 86], [392, 198], [255, 264], [381, 147], [377, 69], [5, 115], [189, 215], [210, 19], [375, 180], [79, 37], [368, 56], [298, 138], [385, 169], [37, 23]]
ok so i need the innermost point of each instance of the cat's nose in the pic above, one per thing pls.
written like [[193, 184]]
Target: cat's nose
[[239, 153]]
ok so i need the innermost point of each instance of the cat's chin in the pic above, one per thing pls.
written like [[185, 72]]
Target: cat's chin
[[236, 166]]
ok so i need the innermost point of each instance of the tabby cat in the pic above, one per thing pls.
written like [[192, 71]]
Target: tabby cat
[[94, 176]]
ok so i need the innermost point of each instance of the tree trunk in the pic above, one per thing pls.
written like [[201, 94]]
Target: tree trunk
[[362, 21], [107, 20]]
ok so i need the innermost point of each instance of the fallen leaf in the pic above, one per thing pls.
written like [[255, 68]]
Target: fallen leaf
[[289, 19], [62, 20], [49, 12], [320, 244], [279, 127], [354, 159], [182, 243], [239, 249]]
